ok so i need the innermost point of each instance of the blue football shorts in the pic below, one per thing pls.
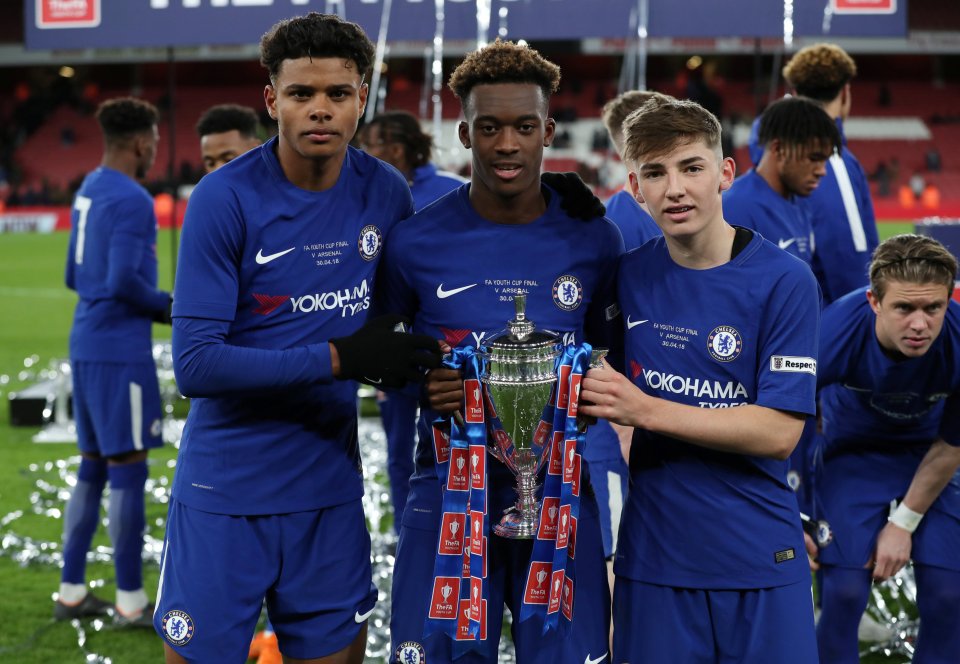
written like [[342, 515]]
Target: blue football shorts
[[312, 567], [508, 562], [654, 623], [854, 490], [116, 406]]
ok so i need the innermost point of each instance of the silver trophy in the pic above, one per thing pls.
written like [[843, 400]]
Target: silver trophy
[[519, 378]]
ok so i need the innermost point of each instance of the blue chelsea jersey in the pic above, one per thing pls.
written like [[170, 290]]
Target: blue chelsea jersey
[[753, 204], [284, 268], [868, 398], [744, 332], [634, 223], [112, 265], [456, 274], [843, 220], [430, 183]]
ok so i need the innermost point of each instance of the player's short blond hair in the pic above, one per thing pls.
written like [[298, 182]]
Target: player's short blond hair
[[663, 123], [913, 259], [820, 71], [617, 109]]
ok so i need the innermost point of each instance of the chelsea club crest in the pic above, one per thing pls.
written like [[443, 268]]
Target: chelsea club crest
[[724, 343], [177, 626], [411, 652], [370, 242], [567, 292]]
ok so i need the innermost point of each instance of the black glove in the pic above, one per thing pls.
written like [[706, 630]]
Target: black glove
[[379, 355], [576, 198], [165, 316]]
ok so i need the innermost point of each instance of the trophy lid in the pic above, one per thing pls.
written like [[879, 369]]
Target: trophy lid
[[521, 331]]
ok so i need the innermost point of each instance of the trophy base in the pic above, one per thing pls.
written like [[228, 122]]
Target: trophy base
[[513, 525]]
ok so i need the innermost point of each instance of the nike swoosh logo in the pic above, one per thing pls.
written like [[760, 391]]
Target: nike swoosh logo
[[371, 380], [443, 294], [630, 326], [263, 260], [595, 661], [360, 617], [783, 244]]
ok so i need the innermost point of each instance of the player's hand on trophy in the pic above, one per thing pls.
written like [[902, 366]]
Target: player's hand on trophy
[[608, 394], [444, 390], [894, 545], [383, 354], [576, 198]]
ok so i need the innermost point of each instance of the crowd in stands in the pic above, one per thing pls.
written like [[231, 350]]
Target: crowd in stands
[[913, 174]]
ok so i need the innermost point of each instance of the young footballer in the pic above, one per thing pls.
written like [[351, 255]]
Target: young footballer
[[721, 341], [439, 269], [397, 138], [798, 139], [276, 269], [635, 223], [112, 265], [226, 131], [890, 401], [841, 208]]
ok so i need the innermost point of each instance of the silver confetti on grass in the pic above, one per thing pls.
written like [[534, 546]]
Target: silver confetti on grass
[[52, 482]]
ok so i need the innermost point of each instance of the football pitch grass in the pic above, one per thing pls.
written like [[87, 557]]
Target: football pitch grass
[[37, 310]]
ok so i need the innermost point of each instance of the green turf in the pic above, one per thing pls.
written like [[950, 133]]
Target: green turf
[[890, 228], [35, 323]]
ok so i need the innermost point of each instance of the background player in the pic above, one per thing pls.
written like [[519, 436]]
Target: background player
[[710, 563], [841, 208], [635, 223], [112, 265], [437, 269], [798, 139], [226, 131], [397, 138], [277, 261], [890, 401]]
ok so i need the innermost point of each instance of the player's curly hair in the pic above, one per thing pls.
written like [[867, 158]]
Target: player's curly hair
[[617, 109], [123, 117], [914, 259], [663, 123], [404, 128], [228, 117], [504, 62], [315, 36], [820, 71], [798, 124]]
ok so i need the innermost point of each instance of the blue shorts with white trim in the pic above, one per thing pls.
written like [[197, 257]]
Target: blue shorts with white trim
[[116, 407], [312, 567]]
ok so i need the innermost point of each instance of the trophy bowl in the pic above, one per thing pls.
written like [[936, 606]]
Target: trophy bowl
[[519, 377]]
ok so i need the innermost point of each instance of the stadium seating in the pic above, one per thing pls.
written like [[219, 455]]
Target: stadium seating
[[44, 155]]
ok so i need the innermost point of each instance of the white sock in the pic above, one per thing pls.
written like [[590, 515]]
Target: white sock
[[72, 593], [131, 602]]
